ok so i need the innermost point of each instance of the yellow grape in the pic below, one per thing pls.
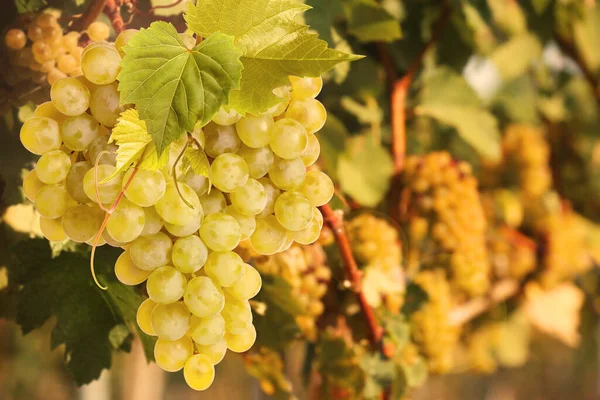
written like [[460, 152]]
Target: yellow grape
[[144, 316]]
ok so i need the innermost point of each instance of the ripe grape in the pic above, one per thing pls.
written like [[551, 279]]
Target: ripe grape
[[66, 63], [289, 138], [199, 183], [213, 202], [247, 223], [207, 331], [317, 188], [174, 210], [203, 298], [242, 342], [146, 187], [52, 229], [259, 160], [224, 268], [185, 230], [15, 39], [288, 174], [305, 88], [189, 254], [269, 236], [311, 233], [105, 104], [255, 131], [214, 352], [282, 92], [46, 20], [224, 117], [48, 110], [153, 222], [312, 151], [108, 191], [273, 193], [80, 131], [170, 321], [229, 172], [81, 223], [248, 286], [309, 112], [127, 272], [220, 139], [42, 52], [35, 33], [32, 185], [98, 146], [199, 372], [152, 251], [126, 222], [293, 211], [100, 64], [124, 38], [98, 31], [54, 75], [220, 232], [53, 167], [52, 201], [171, 356], [250, 199], [40, 135], [71, 40], [237, 315], [70, 96], [166, 285], [144, 316]]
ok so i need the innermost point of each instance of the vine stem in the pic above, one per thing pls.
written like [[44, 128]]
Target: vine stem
[[89, 15], [352, 272], [112, 9]]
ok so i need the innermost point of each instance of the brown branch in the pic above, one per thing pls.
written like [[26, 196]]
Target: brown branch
[[89, 15], [352, 272], [112, 10]]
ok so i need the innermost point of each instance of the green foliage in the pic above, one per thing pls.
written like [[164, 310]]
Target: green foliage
[[526, 45], [322, 16], [340, 364], [273, 46], [370, 22], [198, 162], [413, 300], [24, 6], [172, 86]]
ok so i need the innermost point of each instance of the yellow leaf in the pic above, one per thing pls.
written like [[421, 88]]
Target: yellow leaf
[[198, 162]]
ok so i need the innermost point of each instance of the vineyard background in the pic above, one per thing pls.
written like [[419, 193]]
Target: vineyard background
[[500, 98]]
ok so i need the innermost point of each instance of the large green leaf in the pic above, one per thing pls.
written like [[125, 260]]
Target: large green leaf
[[514, 57], [25, 6], [172, 86], [273, 44], [322, 16], [370, 22]]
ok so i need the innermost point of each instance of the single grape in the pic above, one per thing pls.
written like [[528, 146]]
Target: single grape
[[146, 187], [207, 331], [53, 167], [100, 64], [124, 38], [213, 202], [48, 110], [112, 242], [152, 251], [52, 229], [172, 356], [52, 201], [248, 286], [203, 298], [214, 352], [269, 236], [250, 199], [108, 191], [237, 315], [40, 135], [273, 193], [309, 112], [224, 268], [46, 20], [42, 52], [199, 183], [144, 317], [199, 372], [220, 139], [242, 342], [170, 321], [259, 160], [98, 31], [224, 117], [185, 230], [126, 222], [54, 75], [255, 131], [15, 39], [153, 222], [70, 96], [81, 223], [220, 232], [35, 33], [317, 188], [305, 88], [105, 104], [32, 185], [247, 223], [66, 63], [127, 272], [289, 138], [98, 146], [311, 233], [166, 285], [174, 210], [229, 172], [288, 174], [293, 211], [75, 181], [288, 243], [71, 40], [80, 131], [312, 151], [282, 92], [189, 254]]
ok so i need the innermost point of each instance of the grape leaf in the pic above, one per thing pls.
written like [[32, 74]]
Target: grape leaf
[[172, 86], [273, 44], [198, 162], [368, 21], [24, 6], [88, 319], [509, 66], [135, 145], [322, 16]]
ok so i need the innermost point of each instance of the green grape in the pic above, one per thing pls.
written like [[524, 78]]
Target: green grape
[[79, 132], [203, 298], [15, 39], [189, 254], [99, 145], [199, 372], [311, 233], [71, 40], [199, 184], [151, 252], [287, 174], [214, 352], [317, 188], [250, 199], [126, 222], [220, 139], [282, 92], [247, 223], [312, 151], [48, 110], [53, 167], [144, 316], [255, 131], [166, 285], [100, 64], [127, 272], [293, 211], [229, 172], [237, 315], [52, 229], [32, 185], [153, 222], [42, 52], [269, 236], [224, 117], [98, 31], [172, 356], [82, 223], [259, 160], [289, 138], [185, 230], [288, 243], [146, 187], [70, 96], [40, 135], [111, 241], [52, 201], [174, 210], [224, 268], [247, 287], [66, 63], [170, 321], [305, 88], [220, 232], [75, 181], [108, 191], [309, 112], [207, 331], [213, 202], [242, 342], [273, 193], [124, 38], [105, 104]]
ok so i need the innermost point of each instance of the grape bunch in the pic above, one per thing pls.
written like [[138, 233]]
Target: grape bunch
[[179, 229], [446, 219], [377, 247]]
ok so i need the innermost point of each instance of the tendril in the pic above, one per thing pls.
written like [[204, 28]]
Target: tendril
[[187, 203]]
